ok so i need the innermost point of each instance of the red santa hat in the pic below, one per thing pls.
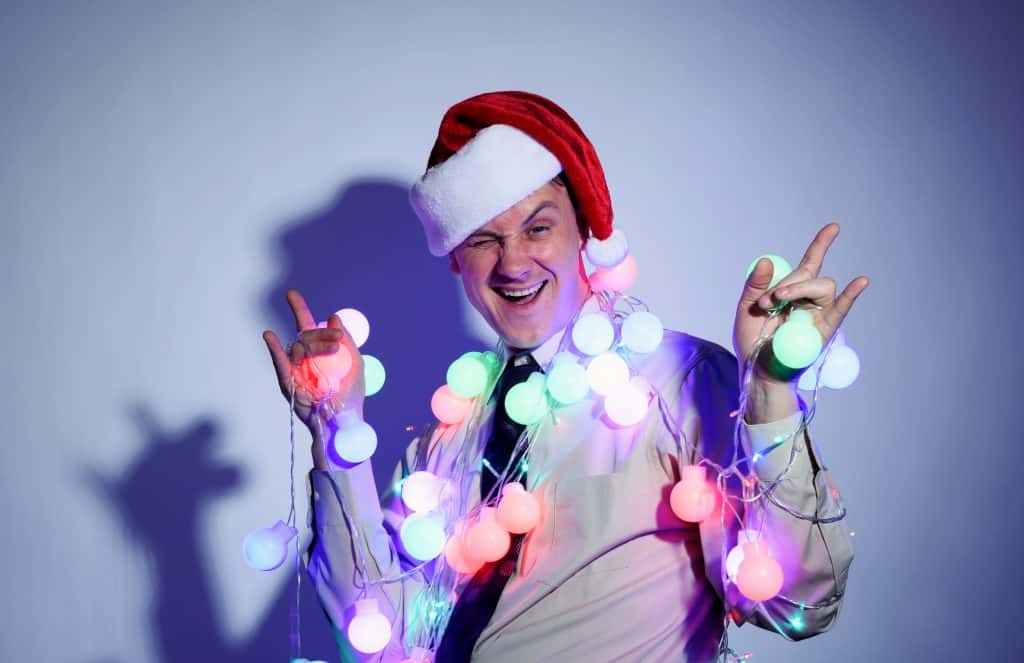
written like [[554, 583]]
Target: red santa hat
[[495, 149]]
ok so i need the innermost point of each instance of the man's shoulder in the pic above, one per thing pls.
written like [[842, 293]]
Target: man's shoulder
[[686, 351]]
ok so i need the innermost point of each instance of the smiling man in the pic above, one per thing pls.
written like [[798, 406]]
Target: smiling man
[[513, 195]]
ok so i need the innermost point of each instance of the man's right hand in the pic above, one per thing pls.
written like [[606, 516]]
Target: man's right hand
[[318, 402]]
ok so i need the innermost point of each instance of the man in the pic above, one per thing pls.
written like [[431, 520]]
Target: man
[[512, 195]]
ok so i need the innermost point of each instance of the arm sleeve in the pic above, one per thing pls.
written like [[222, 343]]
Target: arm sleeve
[[801, 518], [353, 535]]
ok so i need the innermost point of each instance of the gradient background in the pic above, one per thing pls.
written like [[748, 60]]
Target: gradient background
[[169, 170]]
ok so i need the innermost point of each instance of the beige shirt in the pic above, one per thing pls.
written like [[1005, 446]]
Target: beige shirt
[[610, 574]]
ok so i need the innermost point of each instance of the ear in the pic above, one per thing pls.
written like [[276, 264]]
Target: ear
[[453, 264]]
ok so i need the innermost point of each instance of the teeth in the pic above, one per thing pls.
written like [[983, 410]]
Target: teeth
[[508, 292]]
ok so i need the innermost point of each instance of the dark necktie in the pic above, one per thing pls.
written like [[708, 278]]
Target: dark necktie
[[480, 597]]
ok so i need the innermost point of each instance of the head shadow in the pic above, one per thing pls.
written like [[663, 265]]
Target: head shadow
[[366, 250]]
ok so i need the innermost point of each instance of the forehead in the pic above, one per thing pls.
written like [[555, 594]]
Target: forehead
[[549, 199]]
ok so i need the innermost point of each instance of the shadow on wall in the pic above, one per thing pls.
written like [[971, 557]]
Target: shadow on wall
[[161, 498], [366, 250]]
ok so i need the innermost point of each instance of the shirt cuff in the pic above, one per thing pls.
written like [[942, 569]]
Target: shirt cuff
[[771, 444]]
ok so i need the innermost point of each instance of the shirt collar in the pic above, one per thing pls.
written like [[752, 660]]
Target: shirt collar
[[543, 353]]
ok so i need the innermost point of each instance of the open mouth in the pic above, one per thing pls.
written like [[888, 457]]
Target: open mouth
[[521, 296]]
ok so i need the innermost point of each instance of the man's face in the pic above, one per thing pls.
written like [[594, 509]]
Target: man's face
[[523, 271]]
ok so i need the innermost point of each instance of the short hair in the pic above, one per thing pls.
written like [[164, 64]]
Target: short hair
[[562, 180]]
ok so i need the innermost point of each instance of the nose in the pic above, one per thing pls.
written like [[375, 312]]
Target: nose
[[515, 260]]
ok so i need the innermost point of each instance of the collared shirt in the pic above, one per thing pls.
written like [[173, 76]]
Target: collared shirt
[[610, 573]]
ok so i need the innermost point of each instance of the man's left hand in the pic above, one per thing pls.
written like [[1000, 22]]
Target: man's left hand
[[773, 392]]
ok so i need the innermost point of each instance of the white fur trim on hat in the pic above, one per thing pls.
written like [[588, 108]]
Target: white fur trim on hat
[[499, 167], [608, 252]]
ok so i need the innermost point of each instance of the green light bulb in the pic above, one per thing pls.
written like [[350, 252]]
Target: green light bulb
[[780, 268], [373, 374], [467, 375], [796, 344], [526, 403]]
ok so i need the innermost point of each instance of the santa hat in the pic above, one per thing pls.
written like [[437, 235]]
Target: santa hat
[[495, 149]]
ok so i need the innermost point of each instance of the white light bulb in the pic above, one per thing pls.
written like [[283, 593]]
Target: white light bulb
[[841, 368], [642, 332], [607, 371], [356, 324], [355, 441], [369, 631], [593, 333], [421, 491], [266, 548], [626, 404]]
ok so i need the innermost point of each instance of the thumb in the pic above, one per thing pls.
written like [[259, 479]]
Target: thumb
[[758, 281]]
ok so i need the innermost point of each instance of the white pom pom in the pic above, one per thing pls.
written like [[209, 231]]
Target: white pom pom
[[608, 252]]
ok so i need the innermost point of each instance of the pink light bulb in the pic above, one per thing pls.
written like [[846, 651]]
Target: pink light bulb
[[619, 278], [518, 511], [692, 498], [485, 539], [448, 407], [324, 373], [455, 552], [369, 631], [760, 576], [421, 491]]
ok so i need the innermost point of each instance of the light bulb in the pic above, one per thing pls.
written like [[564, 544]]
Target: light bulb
[[265, 549], [422, 535], [518, 511], [759, 577], [356, 324], [642, 332], [526, 403], [485, 539], [735, 556], [449, 407], [780, 268], [567, 380], [796, 343], [841, 367], [455, 551], [421, 491], [607, 371], [355, 440], [619, 278], [692, 498], [373, 374], [593, 333], [467, 375], [626, 404], [324, 373], [369, 631]]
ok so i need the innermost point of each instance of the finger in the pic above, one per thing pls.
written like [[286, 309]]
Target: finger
[[835, 315], [322, 334], [334, 322], [335, 325], [282, 365], [303, 318], [756, 284], [820, 291], [814, 257]]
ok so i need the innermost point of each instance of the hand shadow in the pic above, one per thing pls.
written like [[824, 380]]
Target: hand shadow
[[161, 498]]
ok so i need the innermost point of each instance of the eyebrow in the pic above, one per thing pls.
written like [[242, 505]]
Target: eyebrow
[[537, 210]]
